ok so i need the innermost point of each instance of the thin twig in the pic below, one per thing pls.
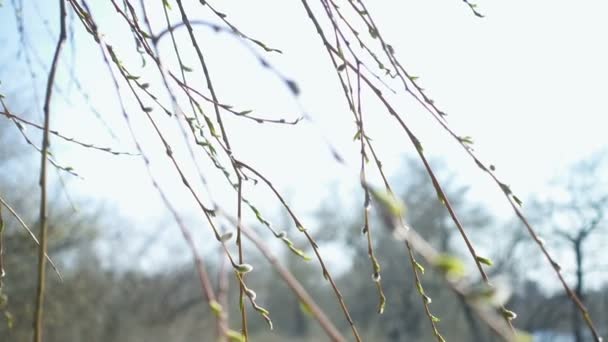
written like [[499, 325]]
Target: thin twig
[[239, 244], [30, 232], [291, 281], [314, 246], [59, 135]]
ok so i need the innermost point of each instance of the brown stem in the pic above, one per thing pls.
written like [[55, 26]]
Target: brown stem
[[239, 243], [314, 246], [291, 281], [39, 313], [222, 292]]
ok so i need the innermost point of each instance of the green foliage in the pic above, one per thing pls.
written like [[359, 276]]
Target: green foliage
[[485, 261]]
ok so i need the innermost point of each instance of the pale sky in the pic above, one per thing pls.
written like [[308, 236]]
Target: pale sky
[[527, 82]]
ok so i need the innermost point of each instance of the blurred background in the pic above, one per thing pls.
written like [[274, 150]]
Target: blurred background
[[526, 82]]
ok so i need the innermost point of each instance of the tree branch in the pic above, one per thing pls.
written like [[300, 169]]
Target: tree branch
[[39, 313]]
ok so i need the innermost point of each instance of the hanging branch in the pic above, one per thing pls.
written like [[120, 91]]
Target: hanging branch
[[19, 120], [22, 223], [313, 244], [222, 290], [367, 200], [239, 268], [465, 142], [291, 281], [208, 293], [28, 140], [452, 269], [330, 49], [39, 313], [196, 107], [2, 271]]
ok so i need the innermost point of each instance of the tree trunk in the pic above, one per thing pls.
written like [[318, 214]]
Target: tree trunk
[[476, 335], [576, 317]]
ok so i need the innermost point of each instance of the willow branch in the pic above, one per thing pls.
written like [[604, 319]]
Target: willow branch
[[39, 313], [30, 233], [291, 281]]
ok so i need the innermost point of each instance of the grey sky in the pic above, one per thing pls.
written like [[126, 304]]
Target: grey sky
[[527, 82]]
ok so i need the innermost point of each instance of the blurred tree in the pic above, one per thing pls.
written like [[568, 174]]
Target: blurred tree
[[429, 217], [574, 217]]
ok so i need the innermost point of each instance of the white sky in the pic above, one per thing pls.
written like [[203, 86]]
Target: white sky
[[527, 82]]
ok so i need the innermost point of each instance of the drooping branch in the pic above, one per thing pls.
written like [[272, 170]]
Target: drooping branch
[[43, 220], [291, 281]]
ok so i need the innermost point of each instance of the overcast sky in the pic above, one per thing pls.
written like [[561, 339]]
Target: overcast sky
[[527, 82]]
